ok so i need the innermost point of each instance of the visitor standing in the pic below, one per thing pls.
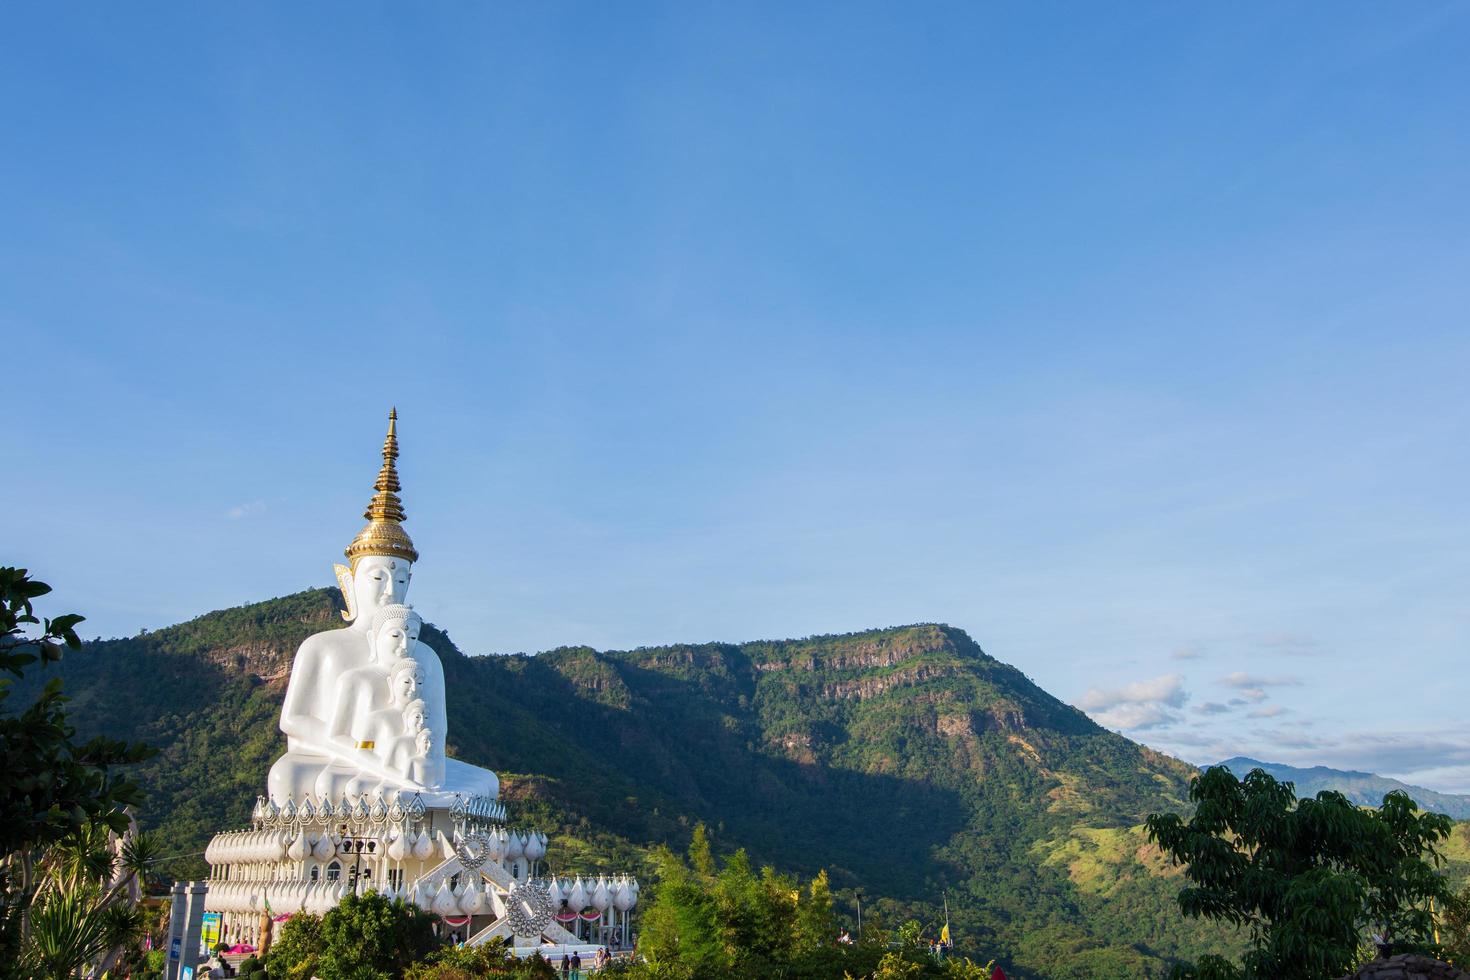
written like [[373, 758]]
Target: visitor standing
[[576, 965]]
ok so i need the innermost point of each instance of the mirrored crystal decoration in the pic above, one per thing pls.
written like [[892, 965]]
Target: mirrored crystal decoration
[[361, 813], [395, 812], [288, 812], [308, 812], [379, 811]]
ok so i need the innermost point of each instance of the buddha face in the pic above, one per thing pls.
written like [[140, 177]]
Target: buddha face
[[424, 742], [396, 639], [406, 683], [415, 718], [378, 581]]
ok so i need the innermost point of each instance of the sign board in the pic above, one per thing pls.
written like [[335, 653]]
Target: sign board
[[187, 973], [175, 947], [209, 933]]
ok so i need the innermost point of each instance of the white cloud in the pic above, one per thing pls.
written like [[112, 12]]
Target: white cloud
[[1269, 711], [1137, 717], [239, 511], [1168, 689], [1138, 706]]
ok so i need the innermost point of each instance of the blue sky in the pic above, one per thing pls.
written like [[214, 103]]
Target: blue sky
[[1131, 340]]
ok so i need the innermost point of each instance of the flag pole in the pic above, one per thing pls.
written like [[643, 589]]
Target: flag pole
[[945, 934]]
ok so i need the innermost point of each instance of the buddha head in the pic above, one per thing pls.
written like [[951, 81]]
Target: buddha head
[[395, 629], [424, 742], [415, 716], [405, 680], [381, 557]]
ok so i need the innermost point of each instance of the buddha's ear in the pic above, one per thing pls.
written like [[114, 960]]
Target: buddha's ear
[[344, 582]]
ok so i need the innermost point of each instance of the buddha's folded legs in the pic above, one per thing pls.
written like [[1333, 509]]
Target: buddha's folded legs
[[295, 775], [461, 777]]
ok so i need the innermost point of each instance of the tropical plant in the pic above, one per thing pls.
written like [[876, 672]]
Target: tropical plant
[[70, 862], [85, 910], [1309, 879]]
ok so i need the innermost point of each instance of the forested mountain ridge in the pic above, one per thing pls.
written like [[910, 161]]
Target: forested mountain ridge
[[906, 761]]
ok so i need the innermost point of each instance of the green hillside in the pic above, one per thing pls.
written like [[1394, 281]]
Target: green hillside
[[905, 761]]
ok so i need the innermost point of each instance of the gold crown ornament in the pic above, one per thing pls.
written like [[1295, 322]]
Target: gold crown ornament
[[384, 534]]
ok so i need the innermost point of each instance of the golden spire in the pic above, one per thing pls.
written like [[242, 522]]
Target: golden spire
[[384, 534]]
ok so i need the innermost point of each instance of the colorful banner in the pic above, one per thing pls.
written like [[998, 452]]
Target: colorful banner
[[209, 932]]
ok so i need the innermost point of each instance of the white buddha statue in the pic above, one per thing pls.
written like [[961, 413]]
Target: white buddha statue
[[341, 678]]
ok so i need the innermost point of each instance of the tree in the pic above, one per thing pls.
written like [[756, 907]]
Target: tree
[[369, 933], [1308, 878], [66, 887], [296, 951]]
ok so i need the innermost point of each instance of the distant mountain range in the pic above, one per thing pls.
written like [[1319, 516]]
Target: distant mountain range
[[1364, 788]]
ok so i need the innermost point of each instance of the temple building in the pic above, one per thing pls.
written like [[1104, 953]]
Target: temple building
[[365, 797]]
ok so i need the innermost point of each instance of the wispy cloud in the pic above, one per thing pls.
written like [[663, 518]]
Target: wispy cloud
[[1186, 653], [1242, 680], [1267, 711], [1138, 706], [1290, 644], [1251, 688], [240, 511], [1211, 708]]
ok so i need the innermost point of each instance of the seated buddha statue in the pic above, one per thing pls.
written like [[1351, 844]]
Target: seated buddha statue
[[329, 699]]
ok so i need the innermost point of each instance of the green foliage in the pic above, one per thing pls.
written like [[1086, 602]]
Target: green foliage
[[52, 785], [1308, 878], [722, 919], [363, 938], [491, 959], [1454, 928], [295, 953], [65, 900]]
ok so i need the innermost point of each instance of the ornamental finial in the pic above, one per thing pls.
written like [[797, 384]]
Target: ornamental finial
[[384, 534]]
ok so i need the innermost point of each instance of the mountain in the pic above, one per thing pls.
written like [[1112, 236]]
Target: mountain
[[1363, 788], [906, 761]]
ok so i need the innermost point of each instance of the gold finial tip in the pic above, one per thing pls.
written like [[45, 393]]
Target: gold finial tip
[[384, 534]]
